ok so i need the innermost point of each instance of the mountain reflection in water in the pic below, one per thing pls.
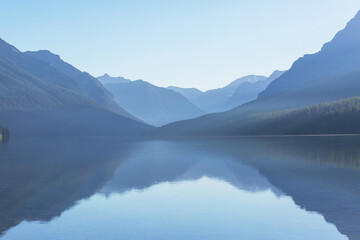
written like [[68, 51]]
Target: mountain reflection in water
[[44, 179]]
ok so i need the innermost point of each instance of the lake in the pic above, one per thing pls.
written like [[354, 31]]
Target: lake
[[220, 188]]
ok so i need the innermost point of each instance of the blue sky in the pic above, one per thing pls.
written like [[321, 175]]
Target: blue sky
[[189, 43]]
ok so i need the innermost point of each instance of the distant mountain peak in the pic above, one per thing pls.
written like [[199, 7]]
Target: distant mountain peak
[[106, 75], [48, 53], [107, 79], [249, 78], [45, 55]]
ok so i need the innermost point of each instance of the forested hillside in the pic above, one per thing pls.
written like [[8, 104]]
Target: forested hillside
[[341, 117]]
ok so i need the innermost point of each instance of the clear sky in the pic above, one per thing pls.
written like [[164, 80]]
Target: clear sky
[[189, 43]]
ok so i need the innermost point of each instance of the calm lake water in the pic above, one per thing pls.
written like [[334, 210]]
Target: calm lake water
[[245, 188]]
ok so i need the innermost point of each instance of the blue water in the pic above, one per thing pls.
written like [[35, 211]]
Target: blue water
[[189, 189]]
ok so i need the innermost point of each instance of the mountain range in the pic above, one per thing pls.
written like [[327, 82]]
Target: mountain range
[[88, 84], [215, 100], [154, 105], [248, 91], [328, 75], [42, 95], [159, 106]]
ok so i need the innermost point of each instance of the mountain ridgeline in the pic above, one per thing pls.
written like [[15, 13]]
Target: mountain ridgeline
[[240, 91], [327, 76], [154, 105], [88, 84], [249, 91], [43, 95], [192, 94], [215, 100], [106, 79]]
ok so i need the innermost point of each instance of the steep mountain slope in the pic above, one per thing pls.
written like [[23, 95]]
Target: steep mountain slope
[[338, 57], [154, 105], [106, 78], [249, 91], [33, 106], [37, 68], [329, 75], [20, 90], [192, 94], [87, 84]]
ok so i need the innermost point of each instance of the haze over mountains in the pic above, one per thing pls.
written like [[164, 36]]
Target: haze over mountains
[[87, 84], [215, 100], [22, 91], [155, 105], [249, 91], [329, 75], [50, 97], [158, 106], [193, 94], [43, 95]]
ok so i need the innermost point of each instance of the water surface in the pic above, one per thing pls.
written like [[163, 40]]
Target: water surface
[[256, 188]]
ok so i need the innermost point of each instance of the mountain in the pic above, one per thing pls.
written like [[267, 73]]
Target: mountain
[[106, 79], [37, 99], [37, 68], [329, 75], [249, 91], [336, 58], [341, 117], [23, 91], [154, 105], [192, 94], [86, 83], [215, 100]]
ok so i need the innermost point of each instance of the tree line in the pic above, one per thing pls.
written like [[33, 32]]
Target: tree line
[[340, 117], [4, 133]]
